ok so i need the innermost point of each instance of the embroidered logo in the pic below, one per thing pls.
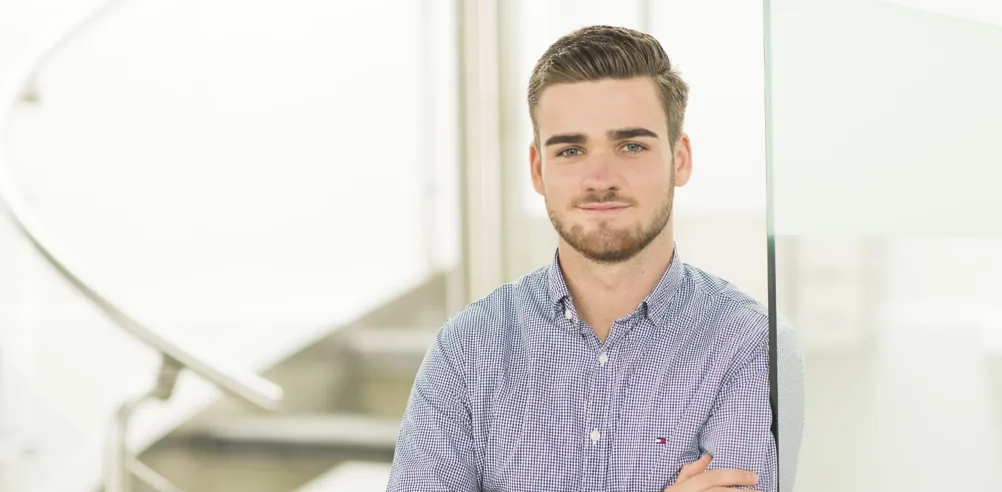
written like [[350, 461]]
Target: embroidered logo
[[660, 440]]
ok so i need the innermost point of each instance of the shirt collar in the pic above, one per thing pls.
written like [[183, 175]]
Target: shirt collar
[[655, 306]]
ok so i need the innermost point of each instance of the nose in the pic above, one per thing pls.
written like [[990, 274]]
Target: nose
[[600, 174]]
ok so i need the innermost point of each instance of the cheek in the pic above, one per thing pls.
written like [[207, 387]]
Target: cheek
[[649, 177], [653, 193], [559, 185], [557, 199]]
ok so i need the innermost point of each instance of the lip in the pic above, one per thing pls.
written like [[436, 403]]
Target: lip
[[603, 207]]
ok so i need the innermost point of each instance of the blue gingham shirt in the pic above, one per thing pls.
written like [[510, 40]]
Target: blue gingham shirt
[[517, 394]]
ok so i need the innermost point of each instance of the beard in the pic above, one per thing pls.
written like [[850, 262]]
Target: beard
[[608, 244]]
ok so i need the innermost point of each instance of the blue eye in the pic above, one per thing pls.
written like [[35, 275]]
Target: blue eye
[[634, 148], [570, 152]]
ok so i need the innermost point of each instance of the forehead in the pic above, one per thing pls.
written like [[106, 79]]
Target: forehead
[[598, 106]]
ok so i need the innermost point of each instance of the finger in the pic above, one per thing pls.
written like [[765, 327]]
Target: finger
[[723, 478], [691, 469], [714, 489]]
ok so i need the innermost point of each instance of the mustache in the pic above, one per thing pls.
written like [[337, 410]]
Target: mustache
[[609, 196]]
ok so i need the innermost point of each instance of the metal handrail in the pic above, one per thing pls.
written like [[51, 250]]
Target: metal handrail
[[176, 354]]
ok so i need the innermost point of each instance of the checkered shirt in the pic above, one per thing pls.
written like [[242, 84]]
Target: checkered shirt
[[516, 393]]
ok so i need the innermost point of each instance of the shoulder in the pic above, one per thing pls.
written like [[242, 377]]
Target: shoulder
[[734, 318], [489, 323]]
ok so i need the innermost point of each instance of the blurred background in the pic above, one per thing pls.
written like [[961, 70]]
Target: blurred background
[[307, 190]]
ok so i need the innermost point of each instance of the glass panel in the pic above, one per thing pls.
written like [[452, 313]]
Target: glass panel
[[887, 222]]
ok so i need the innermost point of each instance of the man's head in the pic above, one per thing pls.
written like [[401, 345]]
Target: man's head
[[608, 150]]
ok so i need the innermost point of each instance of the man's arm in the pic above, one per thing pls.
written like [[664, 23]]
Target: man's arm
[[738, 432], [435, 451]]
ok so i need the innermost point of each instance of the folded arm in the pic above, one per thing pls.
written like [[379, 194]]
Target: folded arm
[[738, 433]]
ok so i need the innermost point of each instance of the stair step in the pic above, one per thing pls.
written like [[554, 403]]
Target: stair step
[[398, 350], [348, 432], [354, 476]]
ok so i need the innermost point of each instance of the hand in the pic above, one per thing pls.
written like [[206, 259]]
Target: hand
[[694, 478]]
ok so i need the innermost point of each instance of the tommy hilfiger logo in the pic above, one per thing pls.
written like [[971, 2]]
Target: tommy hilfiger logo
[[660, 440]]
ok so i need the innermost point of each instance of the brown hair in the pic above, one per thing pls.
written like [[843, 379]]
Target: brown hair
[[604, 52]]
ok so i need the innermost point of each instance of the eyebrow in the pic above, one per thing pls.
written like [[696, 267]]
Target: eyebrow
[[619, 134], [625, 133]]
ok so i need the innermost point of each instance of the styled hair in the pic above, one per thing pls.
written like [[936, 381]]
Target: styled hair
[[605, 52]]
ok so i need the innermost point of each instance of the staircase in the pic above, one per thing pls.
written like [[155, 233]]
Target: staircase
[[337, 426], [345, 393]]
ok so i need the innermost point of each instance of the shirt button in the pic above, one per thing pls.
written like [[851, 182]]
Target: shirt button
[[595, 435], [568, 315], [602, 359]]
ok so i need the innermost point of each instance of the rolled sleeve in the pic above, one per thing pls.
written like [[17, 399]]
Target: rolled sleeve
[[738, 433]]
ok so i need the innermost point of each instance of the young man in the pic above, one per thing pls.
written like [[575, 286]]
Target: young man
[[617, 367]]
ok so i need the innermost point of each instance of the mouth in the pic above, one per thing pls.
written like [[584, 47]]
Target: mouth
[[604, 208]]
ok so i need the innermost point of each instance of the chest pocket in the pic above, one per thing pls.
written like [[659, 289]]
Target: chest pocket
[[664, 461], [659, 448]]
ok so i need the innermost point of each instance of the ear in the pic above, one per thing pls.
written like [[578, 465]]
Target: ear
[[536, 168], [683, 160]]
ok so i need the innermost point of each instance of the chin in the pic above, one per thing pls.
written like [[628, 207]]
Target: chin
[[604, 244], [611, 255], [606, 233]]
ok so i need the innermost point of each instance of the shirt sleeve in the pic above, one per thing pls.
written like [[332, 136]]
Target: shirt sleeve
[[738, 433], [435, 447]]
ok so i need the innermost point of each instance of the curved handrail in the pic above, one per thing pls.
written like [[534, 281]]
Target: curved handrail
[[241, 383]]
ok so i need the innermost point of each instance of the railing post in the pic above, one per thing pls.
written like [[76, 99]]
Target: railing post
[[120, 462], [118, 478]]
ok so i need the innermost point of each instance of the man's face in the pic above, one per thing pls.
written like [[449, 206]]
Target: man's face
[[605, 165]]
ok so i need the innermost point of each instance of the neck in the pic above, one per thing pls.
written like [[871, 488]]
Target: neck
[[605, 292]]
